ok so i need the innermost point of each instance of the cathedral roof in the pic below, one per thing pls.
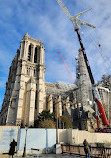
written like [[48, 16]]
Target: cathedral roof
[[66, 86], [59, 88], [88, 108]]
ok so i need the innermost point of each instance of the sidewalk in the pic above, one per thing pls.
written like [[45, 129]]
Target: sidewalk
[[4, 156], [41, 156]]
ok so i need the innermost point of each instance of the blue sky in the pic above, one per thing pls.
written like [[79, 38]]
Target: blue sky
[[44, 20]]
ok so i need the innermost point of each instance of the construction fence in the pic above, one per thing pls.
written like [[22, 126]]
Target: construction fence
[[45, 139]]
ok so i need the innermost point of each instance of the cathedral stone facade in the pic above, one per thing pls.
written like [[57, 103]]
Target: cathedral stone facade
[[25, 90], [27, 94]]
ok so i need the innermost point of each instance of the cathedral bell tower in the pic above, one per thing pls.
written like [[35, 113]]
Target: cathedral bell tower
[[28, 92]]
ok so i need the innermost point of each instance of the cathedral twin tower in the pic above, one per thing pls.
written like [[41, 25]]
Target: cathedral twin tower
[[25, 90]]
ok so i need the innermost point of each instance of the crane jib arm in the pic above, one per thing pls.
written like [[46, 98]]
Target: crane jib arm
[[102, 113]]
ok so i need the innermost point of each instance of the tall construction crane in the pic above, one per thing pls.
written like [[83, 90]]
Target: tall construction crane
[[67, 68], [76, 21]]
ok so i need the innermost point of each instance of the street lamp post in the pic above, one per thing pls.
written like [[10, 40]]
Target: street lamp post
[[108, 105], [58, 146], [56, 124], [24, 152]]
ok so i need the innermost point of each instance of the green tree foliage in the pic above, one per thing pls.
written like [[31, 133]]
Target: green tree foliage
[[47, 124], [66, 122], [44, 115]]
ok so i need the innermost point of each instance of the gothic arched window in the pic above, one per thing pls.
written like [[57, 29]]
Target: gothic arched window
[[29, 53], [35, 55], [34, 72]]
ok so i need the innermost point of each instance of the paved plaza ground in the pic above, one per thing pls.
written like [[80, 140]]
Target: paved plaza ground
[[41, 156]]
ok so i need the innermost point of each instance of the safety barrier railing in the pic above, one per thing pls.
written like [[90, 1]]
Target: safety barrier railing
[[99, 152]]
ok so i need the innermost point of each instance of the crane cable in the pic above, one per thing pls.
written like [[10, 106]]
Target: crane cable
[[100, 51], [104, 57], [99, 48]]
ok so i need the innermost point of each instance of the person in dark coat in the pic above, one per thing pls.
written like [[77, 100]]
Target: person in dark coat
[[86, 148], [13, 144]]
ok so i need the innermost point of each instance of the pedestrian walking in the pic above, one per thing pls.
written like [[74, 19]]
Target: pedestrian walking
[[86, 148], [13, 144]]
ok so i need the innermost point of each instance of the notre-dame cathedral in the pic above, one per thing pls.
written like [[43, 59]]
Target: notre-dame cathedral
[[27, 94]]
